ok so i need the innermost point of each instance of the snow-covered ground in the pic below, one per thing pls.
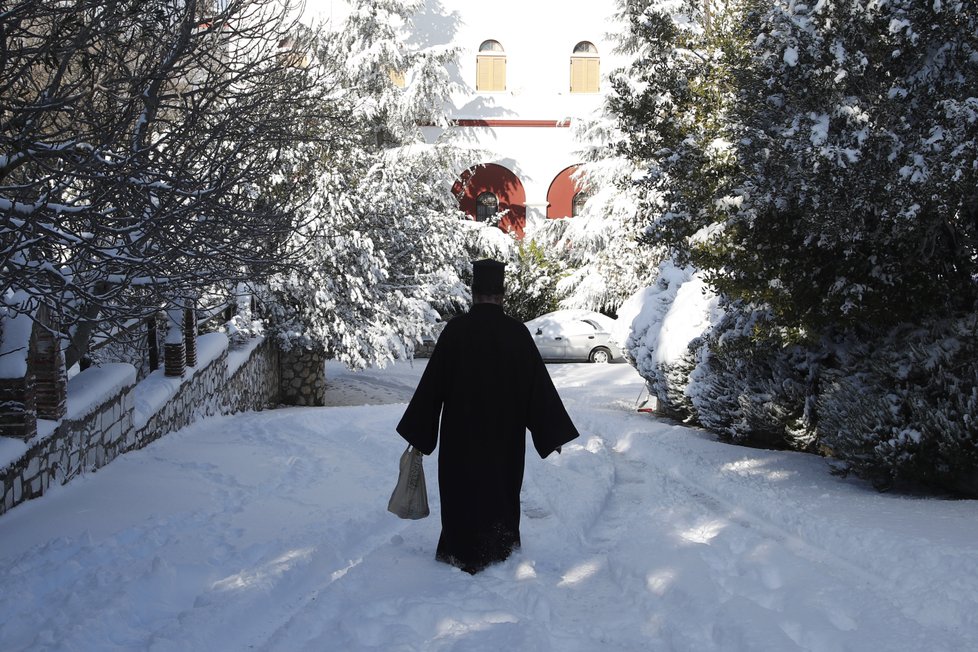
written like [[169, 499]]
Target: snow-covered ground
[[268, 531]]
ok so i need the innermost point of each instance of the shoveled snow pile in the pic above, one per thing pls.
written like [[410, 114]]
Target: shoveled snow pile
[[268, 531]]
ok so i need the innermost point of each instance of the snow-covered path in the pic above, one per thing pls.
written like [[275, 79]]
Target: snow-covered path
[[268, 531]]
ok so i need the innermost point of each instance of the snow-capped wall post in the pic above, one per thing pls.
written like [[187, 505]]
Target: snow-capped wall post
[[47, 363], [190, 335], [18, 416], [174, 347], [152, 343]]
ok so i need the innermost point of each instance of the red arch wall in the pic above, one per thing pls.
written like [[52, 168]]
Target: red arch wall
[[496, 179], [560, 195]]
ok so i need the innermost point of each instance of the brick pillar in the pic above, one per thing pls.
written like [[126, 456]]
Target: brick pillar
[[190, 336], [18, 415], [47, 363], [174, 351]]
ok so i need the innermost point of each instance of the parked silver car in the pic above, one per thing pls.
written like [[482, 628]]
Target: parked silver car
[[574, 335]]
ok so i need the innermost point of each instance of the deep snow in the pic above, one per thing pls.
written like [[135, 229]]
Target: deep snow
[[268, 531]]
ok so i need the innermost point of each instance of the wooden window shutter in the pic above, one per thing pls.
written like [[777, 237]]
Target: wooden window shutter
[[593, 75], [490, 73], [499, 73], [576, 80], [483, 75], [585, 75]]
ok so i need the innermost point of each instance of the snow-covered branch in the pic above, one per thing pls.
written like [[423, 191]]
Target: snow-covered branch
[[135, 141]]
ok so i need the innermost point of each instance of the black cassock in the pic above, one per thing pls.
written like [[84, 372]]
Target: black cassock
[[488, 384]]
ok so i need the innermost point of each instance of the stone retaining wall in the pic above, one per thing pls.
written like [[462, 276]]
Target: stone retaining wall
[[92, 436], [256, 382]]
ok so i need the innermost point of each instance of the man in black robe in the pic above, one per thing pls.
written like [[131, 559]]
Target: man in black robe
[[487, 384]]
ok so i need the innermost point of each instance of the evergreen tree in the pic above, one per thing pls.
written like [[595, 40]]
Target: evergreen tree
[[674, 104], [854, 219], [857, 131], [643, 154], [385, 247], [673, 111], [818, 163], [601, 247]]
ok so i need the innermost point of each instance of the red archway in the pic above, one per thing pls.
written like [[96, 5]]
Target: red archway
[[560, 195], [506, 186]]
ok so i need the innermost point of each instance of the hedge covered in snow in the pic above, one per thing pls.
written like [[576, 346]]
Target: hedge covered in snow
[[899, 410]]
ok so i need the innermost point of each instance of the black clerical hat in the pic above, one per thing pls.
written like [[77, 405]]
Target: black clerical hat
[[487, 276]]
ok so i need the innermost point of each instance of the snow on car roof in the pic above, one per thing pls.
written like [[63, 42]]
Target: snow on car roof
[[568, 316]]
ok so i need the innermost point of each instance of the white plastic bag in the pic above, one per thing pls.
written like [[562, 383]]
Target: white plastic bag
[[410, 497]]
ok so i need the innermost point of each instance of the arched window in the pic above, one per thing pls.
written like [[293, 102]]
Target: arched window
[[486, 189], [577, 204], [490, 67], [486, 206], [585, 73]]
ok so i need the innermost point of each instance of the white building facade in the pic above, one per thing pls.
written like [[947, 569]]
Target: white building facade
[[527, 70]]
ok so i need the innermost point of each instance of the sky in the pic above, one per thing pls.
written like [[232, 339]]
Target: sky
[[269, 531]]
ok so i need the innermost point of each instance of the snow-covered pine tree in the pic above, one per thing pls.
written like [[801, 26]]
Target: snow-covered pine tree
[[669, 155], [384, 250], [602, 247], [673, 105]]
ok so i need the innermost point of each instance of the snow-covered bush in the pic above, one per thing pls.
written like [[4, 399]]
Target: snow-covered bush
[[752, 389], [664, 320], [904, 410]]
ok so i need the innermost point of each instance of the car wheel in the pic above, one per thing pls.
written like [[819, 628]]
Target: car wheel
[[600, 355]]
